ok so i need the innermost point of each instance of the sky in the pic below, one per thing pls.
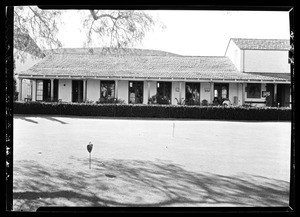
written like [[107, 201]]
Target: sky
[[194, 32]]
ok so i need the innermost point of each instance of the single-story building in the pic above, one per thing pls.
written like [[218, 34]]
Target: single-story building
[[254, 71]]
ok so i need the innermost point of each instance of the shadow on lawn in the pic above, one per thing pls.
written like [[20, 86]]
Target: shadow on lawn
[[53, 119], [139, 183], [41, 116], [25, 119]]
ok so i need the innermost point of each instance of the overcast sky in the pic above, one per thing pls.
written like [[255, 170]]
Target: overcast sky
[[200, 33]]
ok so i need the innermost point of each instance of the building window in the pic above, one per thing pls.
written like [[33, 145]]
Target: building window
[[39, 89], [253, 90], [107, 91], [163, 92], [192, 93], [136, 92], [221, 91], [224, 92], [29, 89]]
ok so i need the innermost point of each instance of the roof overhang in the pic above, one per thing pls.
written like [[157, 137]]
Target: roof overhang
[[216, 80]]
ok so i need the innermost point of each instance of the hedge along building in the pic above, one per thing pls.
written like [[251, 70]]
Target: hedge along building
[[135, 75]]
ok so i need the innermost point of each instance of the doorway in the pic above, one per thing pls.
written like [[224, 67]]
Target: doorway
[[283, 95], [136, 92], [221, 92], [77, 91]]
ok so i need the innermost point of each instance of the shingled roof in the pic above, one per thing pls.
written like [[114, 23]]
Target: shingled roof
[[262, 44], [163, 65]]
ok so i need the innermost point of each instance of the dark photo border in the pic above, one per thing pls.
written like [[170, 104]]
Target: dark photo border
[[205, 5]]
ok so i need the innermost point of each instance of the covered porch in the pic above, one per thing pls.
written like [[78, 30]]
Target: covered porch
[[164, 91]]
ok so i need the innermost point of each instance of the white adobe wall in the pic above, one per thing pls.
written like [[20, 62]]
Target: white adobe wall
[[93, 90], [233, 91], [65, 90], [175, 94], [235, 55], [122, 90], [152, 90], [240, 93], [205, 95], [266, 61]]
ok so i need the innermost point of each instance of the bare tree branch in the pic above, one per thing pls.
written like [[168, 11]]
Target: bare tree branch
[[118, 28], [37, 26]]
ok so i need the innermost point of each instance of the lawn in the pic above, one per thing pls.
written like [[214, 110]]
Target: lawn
[[138, 162]]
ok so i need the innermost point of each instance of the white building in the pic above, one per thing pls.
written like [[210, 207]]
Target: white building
[[254, 71]]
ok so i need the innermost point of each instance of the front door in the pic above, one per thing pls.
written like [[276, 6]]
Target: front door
[[77, 91], [283, 95], [55, 97], [46, 90], [270, 98]]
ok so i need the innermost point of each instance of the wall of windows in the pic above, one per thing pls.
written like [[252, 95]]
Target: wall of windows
[[253, 90]]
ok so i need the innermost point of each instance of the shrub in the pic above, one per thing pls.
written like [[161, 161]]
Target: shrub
[[204, 102], [110, 101], [154, 111]]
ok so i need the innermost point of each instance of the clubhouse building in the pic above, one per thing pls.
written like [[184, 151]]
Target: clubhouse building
[[252, 71]]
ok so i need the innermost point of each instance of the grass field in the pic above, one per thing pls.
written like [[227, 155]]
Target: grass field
[[149, 162]]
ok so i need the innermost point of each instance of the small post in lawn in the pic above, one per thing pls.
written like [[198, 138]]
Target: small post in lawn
[[173, 128], [89, 148]]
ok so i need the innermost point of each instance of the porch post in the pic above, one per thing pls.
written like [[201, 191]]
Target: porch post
[[33, 92], [84, 91], [116, 88], [148, 89], [20, 89], [275, 93], [237, 93], [52, 88], [243, 93], [180, 82], [211, 92]]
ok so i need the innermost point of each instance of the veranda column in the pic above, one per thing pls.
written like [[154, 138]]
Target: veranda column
[[20, 89], [52, 89], [33, 92], [237, 93], [180, 90], [275, 93], [148, 89], [116, 89], [243, 93], [84, 91], [211, 92]]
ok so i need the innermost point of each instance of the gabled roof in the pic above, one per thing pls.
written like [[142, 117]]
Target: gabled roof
[[262, 44], [106, 51], [81, 63]]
